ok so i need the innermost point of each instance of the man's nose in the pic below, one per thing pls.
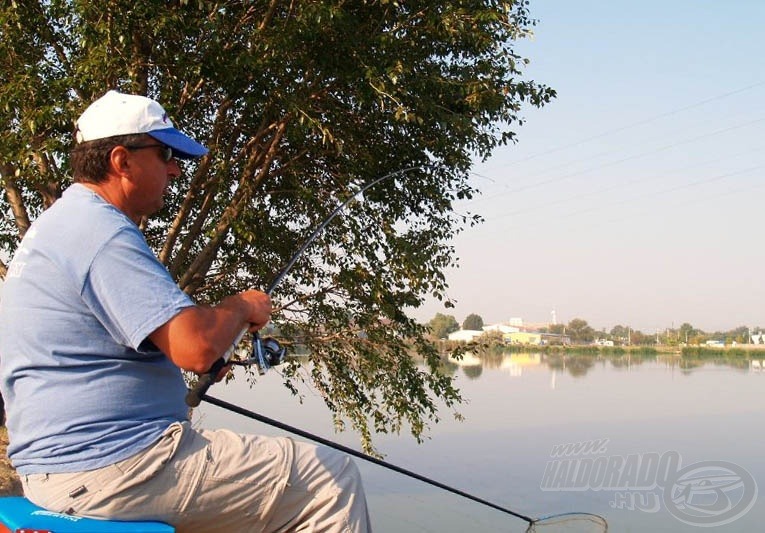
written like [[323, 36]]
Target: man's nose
[[173, 168]]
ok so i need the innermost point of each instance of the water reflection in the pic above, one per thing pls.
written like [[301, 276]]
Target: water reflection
[[514, 363], [521, 407]]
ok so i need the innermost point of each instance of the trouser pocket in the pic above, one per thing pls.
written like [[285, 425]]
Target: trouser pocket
[[106, 491]]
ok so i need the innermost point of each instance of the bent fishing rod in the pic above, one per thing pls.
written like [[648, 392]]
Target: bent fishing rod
[[268, 352]]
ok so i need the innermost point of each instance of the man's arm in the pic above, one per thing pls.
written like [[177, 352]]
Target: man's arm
[[198, 336]]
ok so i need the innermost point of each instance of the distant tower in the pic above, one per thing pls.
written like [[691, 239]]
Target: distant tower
[[554, 321]]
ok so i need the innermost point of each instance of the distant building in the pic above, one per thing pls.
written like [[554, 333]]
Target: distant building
[[555, 338], [465, 335], [522, 337], [502, 328]]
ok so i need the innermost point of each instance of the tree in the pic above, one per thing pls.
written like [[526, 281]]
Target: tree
[[620, 333], [687, 332], [580, 331], [301, 103], [641, 339], [739, 335], [473, 321], [441, 325]]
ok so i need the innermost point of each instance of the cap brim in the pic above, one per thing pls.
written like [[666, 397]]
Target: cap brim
[[184, 147]]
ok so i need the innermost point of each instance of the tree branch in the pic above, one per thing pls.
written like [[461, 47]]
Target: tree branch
[[269, 15], [16, 201], [194, 275], [50, 189], [208, 202]]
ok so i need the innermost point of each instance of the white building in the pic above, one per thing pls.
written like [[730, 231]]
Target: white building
[[502, 328], [465, 335]]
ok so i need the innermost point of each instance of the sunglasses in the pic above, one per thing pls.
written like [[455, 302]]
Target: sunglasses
[[166, 152]]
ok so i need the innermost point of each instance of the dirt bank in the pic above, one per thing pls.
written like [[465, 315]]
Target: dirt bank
[[9, 481]]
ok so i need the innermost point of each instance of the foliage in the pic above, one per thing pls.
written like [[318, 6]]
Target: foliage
[[641, 339], [701, 352], [441, 325], [473, 322], [687, 332], [579, 331], [301, 104], [619, 332]]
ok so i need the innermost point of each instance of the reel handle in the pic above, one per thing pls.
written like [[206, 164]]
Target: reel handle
[[205, 381]]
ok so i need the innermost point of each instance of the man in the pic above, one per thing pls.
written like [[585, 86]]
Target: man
[[93, 334]]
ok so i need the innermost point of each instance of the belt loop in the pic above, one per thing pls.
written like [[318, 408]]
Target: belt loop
[[79, 491]]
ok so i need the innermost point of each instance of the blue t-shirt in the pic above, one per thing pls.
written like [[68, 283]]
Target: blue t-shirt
[[83, 385]]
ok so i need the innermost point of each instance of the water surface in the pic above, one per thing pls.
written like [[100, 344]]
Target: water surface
[[635, 412]]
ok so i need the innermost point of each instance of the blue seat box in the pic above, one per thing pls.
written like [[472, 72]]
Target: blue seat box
[[19, 515]]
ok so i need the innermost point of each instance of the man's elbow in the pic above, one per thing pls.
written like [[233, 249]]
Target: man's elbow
[[186, 340], [199, 359]]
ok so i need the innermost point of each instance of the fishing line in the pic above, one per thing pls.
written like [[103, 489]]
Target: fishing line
[[205, 381], [332, 215]]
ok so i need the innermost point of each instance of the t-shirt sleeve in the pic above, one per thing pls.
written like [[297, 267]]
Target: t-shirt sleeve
[[130, 291]]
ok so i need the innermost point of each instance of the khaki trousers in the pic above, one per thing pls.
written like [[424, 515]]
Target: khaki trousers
[[210, 481]]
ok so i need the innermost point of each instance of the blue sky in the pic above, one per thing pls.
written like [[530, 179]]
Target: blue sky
[[637, 197]]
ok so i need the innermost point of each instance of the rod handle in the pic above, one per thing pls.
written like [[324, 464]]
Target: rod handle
[[194, 396], [205, 381]]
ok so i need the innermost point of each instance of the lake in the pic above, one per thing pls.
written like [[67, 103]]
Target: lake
[[656, 443]]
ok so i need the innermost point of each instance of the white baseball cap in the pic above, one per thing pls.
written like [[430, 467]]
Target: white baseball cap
[[116, 113]]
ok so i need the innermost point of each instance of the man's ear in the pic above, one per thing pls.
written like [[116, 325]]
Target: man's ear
[[119, 160]]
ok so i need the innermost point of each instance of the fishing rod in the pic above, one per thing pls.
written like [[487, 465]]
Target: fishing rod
[[350, 451], [533, 522], [268, 352]]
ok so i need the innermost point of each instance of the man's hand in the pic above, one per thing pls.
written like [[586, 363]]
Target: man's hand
[[198, 336], [223, 372], [259, 304]]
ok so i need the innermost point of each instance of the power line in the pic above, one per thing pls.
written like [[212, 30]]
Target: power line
[[642, 122], [625, 159], [601, 190], [648, 195]]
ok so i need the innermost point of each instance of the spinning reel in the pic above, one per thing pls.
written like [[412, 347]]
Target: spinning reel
[[265, 353]]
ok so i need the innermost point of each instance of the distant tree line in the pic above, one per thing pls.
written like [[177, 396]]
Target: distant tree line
[[580, 332]]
